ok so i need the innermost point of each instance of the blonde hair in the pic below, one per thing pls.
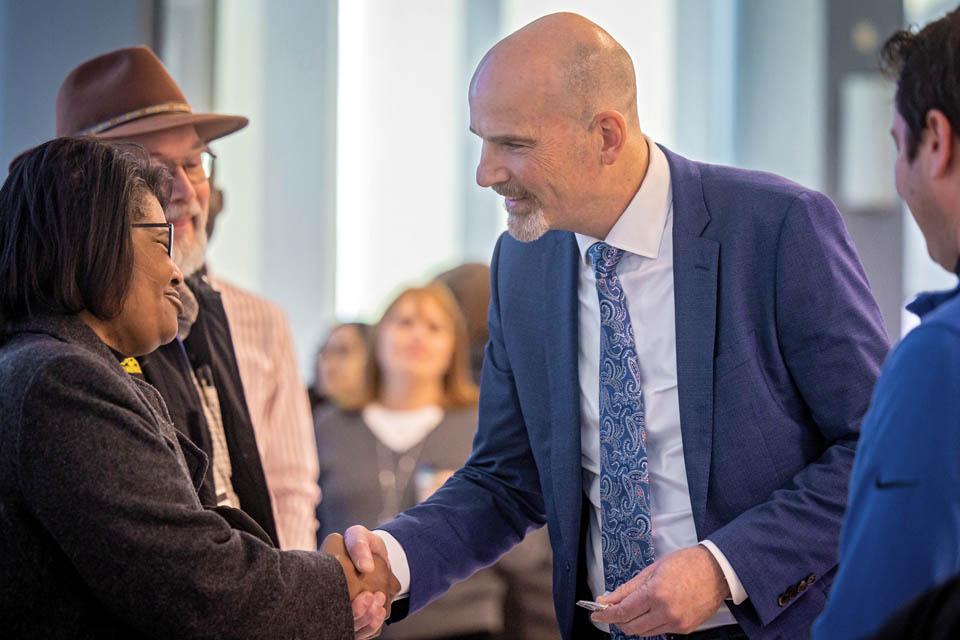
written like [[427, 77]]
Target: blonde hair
[[459, 390]]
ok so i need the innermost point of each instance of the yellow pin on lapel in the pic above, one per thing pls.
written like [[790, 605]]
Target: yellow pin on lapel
[[130, 365]]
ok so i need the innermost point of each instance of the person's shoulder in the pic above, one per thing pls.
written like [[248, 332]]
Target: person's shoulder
[[248, 302], [24, 356], [39, 371], [757, 196], [922, 377], [946, 317], [719, 180], [933, 346]]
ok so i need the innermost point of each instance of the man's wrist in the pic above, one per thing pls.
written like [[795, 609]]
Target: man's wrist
[[737, 593], [397, 559]]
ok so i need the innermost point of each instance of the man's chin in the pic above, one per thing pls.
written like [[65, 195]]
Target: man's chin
[[527, 227]]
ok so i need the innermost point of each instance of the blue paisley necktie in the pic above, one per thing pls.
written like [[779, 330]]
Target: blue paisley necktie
[[626, 530]]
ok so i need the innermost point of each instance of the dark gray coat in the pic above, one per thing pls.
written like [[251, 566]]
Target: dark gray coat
[[101, 531]]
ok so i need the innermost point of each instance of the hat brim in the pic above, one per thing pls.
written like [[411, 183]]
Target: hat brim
[[209, 126]]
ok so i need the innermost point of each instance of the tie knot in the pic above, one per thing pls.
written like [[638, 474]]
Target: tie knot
[[604, 258]]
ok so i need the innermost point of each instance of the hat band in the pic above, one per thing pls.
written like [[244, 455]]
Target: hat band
[[166, 107]]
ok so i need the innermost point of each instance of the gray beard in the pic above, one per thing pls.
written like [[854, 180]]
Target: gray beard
[[527, 227], [191, 258]]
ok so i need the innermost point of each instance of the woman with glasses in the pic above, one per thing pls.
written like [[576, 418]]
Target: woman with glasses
[[102, 533]]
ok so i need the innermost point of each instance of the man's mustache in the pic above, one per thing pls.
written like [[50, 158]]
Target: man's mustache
[[177, 212], [509, 190]]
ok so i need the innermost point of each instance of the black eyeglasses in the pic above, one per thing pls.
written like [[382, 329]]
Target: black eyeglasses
[[159, 225]]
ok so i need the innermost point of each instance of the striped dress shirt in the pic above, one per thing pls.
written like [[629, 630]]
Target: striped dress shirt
[[279, 410]]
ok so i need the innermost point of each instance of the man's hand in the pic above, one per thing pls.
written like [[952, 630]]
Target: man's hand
[[363, 546], [370, 592], [675, 594]]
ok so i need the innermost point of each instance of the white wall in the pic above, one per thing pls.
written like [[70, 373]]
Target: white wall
[[646, 30], [401, 116], [275, 64], [236, 250]]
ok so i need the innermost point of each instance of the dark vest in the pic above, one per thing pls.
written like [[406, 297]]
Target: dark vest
[[169, 370]]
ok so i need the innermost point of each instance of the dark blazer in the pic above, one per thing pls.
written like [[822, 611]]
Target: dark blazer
[[169, 370], [102, 534], [779, 343]]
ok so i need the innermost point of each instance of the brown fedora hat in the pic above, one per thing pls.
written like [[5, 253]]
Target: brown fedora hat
[[128, 92]]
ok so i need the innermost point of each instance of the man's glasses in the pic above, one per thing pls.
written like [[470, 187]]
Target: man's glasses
[[197, 166], [159, 225]]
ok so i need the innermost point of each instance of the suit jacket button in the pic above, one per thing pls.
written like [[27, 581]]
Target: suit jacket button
[[783, 600], [802, 586], [792, 592], [811, 579]]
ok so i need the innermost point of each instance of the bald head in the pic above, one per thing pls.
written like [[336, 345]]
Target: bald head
[[565, 63], [556, 107]]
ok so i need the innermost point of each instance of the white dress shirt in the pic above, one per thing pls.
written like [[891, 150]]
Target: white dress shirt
[[644, 232]]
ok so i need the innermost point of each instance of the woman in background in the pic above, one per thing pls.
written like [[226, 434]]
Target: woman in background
[[340, 368], [414, 430]]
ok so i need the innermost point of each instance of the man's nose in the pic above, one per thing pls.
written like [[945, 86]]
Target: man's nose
[[183, 190], [489, 170]]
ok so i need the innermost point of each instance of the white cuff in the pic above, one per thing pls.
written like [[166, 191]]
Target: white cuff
[[397, 558], [737, 593]]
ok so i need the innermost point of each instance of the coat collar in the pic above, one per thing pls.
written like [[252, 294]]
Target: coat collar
[[66, 328]]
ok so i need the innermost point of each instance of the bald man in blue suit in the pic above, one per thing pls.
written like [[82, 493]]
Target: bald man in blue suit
[[714, 323]]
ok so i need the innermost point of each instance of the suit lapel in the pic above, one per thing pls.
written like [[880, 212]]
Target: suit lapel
[[695, 271], [560, 273]]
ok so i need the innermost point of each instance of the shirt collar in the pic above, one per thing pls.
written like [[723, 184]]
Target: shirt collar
[[640, 227], [926, 302]]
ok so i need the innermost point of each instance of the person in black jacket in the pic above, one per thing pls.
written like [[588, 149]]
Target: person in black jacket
[[102, 531]]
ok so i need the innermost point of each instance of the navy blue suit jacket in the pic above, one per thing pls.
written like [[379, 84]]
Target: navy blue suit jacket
[[779, 343]]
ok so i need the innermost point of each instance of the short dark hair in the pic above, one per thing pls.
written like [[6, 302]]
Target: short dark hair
[[65, 214], [926, 64]]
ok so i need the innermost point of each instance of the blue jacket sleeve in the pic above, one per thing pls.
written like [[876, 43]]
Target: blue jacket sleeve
[[487, 507], [902, 531]]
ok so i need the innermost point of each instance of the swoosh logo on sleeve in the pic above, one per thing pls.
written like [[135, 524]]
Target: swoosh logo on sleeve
[[894, 484]]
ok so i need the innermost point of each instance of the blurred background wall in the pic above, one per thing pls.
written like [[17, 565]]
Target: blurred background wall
[[356, 174]]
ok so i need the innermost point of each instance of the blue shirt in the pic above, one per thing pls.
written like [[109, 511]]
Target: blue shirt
[[901, 535]]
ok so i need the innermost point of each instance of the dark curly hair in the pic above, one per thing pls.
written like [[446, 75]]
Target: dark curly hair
[[926, 65], [65, 214]]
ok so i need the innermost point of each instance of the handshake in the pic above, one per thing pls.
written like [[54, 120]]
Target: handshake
[[370, 582]]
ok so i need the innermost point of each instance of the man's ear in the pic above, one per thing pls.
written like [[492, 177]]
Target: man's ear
[[613, 133], [938, 142]]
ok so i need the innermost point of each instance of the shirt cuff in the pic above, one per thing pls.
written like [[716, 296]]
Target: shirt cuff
[[397, 558], [737, 593]]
